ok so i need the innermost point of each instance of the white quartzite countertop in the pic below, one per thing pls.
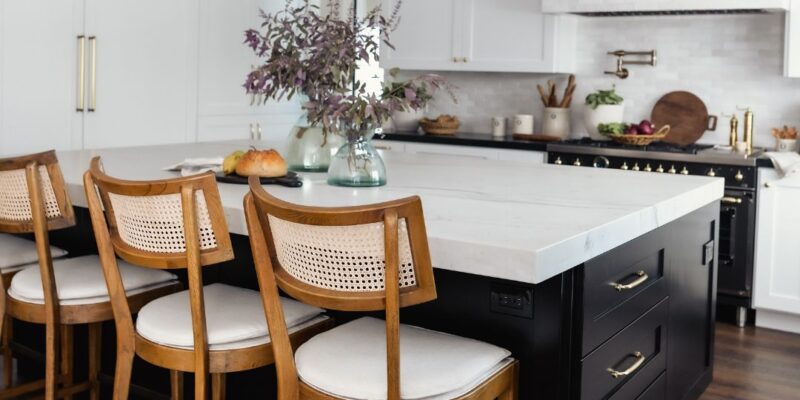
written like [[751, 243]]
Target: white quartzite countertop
[[506, 220]]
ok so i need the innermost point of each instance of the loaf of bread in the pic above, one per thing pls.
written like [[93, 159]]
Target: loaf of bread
[[262, 163]]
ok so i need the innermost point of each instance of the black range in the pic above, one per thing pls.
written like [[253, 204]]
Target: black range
[[737, 213]]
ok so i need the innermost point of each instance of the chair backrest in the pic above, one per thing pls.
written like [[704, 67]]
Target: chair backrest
[[146, 219], [165, 224], [365, 258], [336, 257], [16, 208]]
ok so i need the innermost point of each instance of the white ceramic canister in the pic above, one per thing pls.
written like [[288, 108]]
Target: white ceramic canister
[[555, 122], [523, 124]]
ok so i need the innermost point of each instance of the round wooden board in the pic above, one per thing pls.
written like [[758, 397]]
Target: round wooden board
[[685, 113]]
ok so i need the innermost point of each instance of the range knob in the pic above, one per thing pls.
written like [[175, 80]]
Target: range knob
[[636, 166], [624, 166], [558, 161], [648, 168], [711, 172], [660, 168], [577, 162], [600, 162], [684, 171], [672, 170], [739, 177]]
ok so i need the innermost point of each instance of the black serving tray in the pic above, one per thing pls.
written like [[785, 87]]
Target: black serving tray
[[291, 179]]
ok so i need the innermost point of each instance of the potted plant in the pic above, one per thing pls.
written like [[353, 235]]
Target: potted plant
[[602, 107], [316, 55], [407, 120]]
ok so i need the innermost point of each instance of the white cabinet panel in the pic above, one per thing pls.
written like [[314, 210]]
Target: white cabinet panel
[[777, 258], [451, 150], [146, 72], [527, 156], [428, 36], [224, 62], [38, 75]]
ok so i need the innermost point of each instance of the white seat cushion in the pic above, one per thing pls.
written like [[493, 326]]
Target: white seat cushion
[[234, 318], [80, 280], [17, 253], [350, 361]]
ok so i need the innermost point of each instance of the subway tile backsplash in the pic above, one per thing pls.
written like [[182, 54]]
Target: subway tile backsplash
[[728, 61]]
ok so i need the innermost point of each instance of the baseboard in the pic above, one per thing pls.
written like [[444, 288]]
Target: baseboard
[[777, 320]]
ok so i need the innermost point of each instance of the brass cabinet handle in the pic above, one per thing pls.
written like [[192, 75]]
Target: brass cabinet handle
[[621, 374], [258, 130], [732, 200], [93, 77], [382, 147], [81, 73], [252, 131], [642, 277]]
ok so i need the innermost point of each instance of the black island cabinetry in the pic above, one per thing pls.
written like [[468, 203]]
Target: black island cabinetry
[[644, 310]]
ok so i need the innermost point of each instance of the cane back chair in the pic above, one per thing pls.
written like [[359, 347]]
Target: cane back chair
[[179, 224], [364, 258], [59, 293]]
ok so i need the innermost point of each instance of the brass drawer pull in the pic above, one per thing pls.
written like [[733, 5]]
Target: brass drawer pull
[[620, 374], [642, 277], [732, 200]]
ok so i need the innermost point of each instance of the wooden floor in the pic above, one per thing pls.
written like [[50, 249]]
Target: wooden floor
[[755, 364]]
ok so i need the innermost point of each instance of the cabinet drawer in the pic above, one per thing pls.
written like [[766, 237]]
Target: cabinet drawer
[[638, 350], [657, 390], [620, 286]]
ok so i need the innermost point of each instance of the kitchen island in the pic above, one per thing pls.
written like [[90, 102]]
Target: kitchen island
[[577, 271]]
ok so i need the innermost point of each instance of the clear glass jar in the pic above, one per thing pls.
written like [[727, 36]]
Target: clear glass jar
[[357, 163], [308, 149]]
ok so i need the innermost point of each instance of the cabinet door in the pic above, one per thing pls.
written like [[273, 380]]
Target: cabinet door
[[777, 258], [428, 37], [39, 75], [452, 150], [146, 72], [224, 62], [514, 36], [527, 156]]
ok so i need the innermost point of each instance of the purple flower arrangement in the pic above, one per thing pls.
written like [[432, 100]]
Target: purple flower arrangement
[[307, 53]]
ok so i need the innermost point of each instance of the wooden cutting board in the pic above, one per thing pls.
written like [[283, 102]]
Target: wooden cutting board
[[686, 115]]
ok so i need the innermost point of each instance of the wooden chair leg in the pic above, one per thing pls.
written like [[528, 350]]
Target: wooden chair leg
[[200, 386], [66, 357], [51, 360], [218, 386], [8, 357], [512, 393], [95, 344], [122, 372], [176, 384]]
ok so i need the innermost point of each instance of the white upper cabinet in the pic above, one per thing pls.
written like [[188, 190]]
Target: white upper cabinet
[[224, 109], [39, 75], [480, 35], [145, 72]]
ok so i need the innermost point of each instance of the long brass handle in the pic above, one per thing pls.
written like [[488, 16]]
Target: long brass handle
[[732, 200], [620, 374], [258, 130], [93, 77], [81, 73], [642, 277]]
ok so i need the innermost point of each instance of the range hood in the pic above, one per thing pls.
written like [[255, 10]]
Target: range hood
[[616, 8]]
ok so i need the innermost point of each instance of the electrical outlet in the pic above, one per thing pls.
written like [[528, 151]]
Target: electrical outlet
[[512, 299]]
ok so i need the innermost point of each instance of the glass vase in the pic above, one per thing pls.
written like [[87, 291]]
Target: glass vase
[[357, 163], [308, 149]]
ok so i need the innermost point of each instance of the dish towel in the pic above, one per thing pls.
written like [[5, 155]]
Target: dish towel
[[194, 166], [788, 166]]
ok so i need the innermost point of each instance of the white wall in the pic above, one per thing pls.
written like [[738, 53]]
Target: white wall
[[725, 60]]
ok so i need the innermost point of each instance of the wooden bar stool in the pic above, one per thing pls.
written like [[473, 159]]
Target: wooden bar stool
[[16, 254], [61, 293], [216, 329], [366, 258]]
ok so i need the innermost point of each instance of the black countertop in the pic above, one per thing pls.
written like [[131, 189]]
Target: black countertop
[[466, 139], [487, 140]]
